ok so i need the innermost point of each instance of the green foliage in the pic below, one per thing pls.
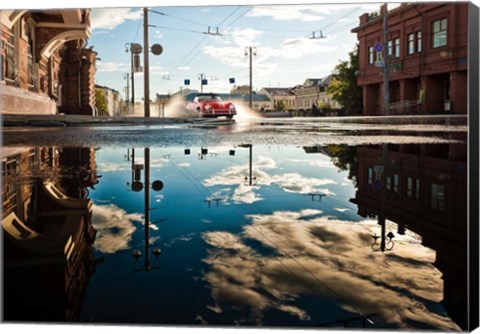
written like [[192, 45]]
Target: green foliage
[[280, 106], [344, 157], [343, 87], [101, 101]]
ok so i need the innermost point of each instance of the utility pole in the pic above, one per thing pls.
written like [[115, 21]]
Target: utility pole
[[386, 112], [251, 51], [127, 93], [147, 207], [201, 77], [132, 69], [146, 74]]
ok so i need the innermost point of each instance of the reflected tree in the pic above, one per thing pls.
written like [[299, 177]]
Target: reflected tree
[[344, 157]]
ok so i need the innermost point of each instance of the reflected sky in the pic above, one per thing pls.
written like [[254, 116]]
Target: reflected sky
[[268, 254], [294, 249]]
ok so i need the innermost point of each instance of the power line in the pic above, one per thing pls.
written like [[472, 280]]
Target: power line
[[178, 18], [203, 39]]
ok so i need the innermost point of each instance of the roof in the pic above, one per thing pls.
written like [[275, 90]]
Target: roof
[[276, 91]]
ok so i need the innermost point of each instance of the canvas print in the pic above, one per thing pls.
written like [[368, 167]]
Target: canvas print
[[300, 166]]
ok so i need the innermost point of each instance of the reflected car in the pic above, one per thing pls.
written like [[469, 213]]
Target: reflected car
[[210, 105]]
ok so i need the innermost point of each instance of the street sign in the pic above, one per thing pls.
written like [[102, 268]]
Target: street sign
[[186, 82], [157, 49], [204, 82], [377, 184], [231, 80], [379, 63], [136, 48], [378, 47]]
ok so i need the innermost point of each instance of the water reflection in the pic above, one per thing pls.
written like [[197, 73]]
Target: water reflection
[[47, 232], [249, 234]]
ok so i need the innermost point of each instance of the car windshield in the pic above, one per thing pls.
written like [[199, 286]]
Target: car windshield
[[203, 98]]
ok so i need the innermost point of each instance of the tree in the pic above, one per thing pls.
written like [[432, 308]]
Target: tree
[[343, 87], [280, 106], [345, 158], [101, 102]]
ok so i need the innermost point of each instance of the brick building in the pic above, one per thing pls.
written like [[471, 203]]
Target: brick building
[[45, 65], [426, 192], [426, 56], [46, 231]]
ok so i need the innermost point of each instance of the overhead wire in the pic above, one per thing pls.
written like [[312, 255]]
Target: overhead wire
[[175, 69]]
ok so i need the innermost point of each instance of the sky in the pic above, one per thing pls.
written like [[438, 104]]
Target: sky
[[286, 54]]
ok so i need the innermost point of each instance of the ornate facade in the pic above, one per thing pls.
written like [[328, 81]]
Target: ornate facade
[[45, 65]]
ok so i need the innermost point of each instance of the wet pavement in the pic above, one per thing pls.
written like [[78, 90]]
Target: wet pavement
[[256, 222]]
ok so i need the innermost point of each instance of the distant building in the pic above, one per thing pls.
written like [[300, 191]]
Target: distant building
[[114, 102], [244, 89], [45, 65], [280, 97], [314, 92], [427, 57]]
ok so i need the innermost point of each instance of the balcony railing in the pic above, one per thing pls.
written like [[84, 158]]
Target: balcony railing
[[11, 68]]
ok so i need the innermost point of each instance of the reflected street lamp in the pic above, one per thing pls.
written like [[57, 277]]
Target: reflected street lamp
[[137, 186]]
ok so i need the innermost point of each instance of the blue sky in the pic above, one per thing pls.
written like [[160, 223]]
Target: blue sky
[[285, 52]]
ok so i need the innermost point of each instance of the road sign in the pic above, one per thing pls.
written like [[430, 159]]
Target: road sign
[[136, 48], [186, 82], [157, 49], [378, 47], [204, 82], [231, 80], [379, 63], [377, 184]]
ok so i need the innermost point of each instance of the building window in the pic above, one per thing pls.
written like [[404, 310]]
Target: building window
[[390, 48], [370, 55], [370, 175], [437, 197], [397, 47], [419, 41], [413, 188], [392, 187], [439, 29], [411, 44]]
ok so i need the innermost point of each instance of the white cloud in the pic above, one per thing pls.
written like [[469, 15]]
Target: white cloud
[[183, 68], [112, 17], [114, 227], [288, 182], [111, 167], [158, 34], [285, 13], [112, 67], [266, 58], [328, 258]]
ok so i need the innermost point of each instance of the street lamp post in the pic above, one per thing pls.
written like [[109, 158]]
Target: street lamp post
[[250, 164], [137, 186], [251, 51], [146, 64]]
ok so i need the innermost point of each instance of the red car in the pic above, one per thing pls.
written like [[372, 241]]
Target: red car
[[210, 105]]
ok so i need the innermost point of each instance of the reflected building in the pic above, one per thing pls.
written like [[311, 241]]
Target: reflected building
[[426, 192], [47, 233]]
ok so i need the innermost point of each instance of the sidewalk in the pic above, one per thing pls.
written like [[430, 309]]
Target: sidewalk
[[82, 120]]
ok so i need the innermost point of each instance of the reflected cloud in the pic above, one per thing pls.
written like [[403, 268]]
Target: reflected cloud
[[105, 167], [328, 258], [288, 182], [114, 227]]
